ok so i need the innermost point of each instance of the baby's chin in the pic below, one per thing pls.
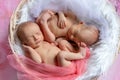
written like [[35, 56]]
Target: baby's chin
[[36, 46]]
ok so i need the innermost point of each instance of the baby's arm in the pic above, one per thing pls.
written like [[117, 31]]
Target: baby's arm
[[49, 36], [63, 44], [33, 54], [71, 15], [64, 57], [46, 13], [61, 20], [76, 55]]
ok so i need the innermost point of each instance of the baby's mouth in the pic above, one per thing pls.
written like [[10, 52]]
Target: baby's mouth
[[38, 41]]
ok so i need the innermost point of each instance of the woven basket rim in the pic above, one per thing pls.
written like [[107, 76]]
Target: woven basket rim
[[13, 24]]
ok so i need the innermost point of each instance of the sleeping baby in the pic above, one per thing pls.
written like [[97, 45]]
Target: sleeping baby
[[42, 51], [57, 25]]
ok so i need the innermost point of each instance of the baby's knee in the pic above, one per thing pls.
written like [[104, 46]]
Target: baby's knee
[[61, 42], [61, 55]]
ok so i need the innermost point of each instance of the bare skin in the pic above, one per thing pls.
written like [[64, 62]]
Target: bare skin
[[83, 33], [55, 26], [49, 23], [41, 51]]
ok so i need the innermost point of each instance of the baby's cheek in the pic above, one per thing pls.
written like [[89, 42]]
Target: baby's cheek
[[29, 43]]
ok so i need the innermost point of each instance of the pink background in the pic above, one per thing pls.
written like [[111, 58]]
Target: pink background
[[6, 9], [6, 71]]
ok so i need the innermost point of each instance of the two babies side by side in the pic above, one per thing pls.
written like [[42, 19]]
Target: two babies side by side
[[51, 38]]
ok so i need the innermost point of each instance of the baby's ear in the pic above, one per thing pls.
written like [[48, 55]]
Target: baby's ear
[[81, 22]]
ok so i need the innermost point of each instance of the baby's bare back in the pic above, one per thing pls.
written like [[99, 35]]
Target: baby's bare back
[[56, 30], [48, 53]]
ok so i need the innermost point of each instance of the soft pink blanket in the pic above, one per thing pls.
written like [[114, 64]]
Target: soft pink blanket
[[30, 70]]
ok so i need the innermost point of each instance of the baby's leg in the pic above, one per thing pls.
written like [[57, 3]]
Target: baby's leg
[[63, 44], [61, 60], [64, 57]]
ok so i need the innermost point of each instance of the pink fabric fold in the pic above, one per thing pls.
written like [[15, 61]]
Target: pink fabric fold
[[29, 70]]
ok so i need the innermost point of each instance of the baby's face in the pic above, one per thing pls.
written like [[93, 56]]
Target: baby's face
[[82, 33], [32, 36], [72, 32]]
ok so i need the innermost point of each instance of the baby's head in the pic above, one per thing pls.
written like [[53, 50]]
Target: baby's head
[[83, 33], [30, 34]]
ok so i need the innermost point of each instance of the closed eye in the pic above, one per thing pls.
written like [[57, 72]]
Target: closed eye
[[38, 33]]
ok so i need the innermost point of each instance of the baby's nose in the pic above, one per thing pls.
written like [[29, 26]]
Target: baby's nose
[[71, 37], [35, 37]]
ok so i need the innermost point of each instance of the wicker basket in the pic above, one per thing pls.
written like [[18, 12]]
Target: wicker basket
[[14, 22]]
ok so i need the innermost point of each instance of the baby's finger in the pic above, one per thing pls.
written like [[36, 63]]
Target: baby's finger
[[62, 24], [58, 24], [83, 44], [51, 12], [24, 46], [37, 20]]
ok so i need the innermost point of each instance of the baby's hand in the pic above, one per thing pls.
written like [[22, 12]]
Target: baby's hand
[[26, 48], [47, 15], [44, 16], [82, 49], [83, 53], [33, 54], [82, 44], [62, 21]]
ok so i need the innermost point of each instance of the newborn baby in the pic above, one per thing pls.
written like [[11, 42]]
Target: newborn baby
[[41, 51], [59, 25]]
